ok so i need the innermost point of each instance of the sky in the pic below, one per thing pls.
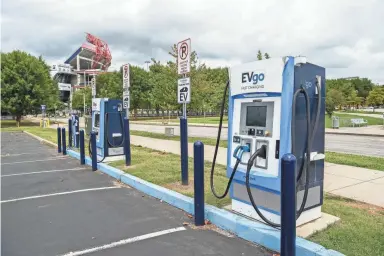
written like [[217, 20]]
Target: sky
[[344, 36]]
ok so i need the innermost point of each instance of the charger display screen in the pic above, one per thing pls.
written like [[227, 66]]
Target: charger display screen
[[256, 116]]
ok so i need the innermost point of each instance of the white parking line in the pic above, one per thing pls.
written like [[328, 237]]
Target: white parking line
[[29, 173], [56, 194], [40, 160], [21, 154], [125, 241]]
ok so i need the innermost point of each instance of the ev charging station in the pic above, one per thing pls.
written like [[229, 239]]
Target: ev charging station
[[74, 130], [107, 122], [276, 106]]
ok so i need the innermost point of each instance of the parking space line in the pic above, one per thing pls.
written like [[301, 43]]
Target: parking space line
[[56, 194], [125, 241], [21, 154], [39, 160], [29, 173]]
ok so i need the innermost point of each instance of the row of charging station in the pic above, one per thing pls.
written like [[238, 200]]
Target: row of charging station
[[276, 106]]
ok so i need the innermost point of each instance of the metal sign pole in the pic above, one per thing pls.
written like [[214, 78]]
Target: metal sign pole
[[127, 137], [183, 95]]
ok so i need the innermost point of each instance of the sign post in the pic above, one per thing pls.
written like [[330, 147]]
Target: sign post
[[184, 97], [127, 139], [93, 84]]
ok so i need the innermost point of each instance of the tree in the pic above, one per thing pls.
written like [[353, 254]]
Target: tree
[[333, 99], [140, 88], [376, 96], [353, 99], [266, 55], [110, 85], [363, 86], [259, 55], [26, 84], [79, 96]]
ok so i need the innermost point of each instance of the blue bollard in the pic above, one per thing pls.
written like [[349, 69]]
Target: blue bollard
[[127, 142], [198, 154], [69, 132], [82, 148], [77, 134], [184, 150], [288, 205], [93, 149], [58, 140], [64, 141]]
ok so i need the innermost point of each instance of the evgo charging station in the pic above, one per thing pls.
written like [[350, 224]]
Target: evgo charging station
[[276, 106]]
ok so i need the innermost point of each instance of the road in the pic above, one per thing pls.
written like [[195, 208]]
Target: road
[[361, 145], [51, 205]]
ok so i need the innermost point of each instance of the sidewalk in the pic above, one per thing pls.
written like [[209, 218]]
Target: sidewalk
[[347, 181]]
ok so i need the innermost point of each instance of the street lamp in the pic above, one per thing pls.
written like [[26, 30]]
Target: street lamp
[[147, 62]]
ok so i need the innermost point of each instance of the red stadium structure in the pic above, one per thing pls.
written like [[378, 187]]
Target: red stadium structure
[[90, 59], [103, 55]]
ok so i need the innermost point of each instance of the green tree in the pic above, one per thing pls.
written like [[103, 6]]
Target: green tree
[[266, 55], [163, 81], [363, 86], [353, 99], [110, 85], [79, 96], [26, 84], [140, 88], [259, 55], [376, 96], [333, 100]]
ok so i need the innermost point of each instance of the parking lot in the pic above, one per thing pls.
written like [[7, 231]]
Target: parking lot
[[51, 205]]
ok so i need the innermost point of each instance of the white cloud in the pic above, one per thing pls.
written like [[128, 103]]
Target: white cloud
[[345, 36]]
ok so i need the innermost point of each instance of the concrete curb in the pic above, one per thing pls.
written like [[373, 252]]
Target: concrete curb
[[252, 231], [41, 139]]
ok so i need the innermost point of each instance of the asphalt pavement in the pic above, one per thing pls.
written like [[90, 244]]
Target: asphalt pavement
[[51, 205], [361, 145]]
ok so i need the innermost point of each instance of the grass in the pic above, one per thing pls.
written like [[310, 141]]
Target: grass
[[357, 112], [370, 162], [206, 141], [359, 232], [193, 120], [345, 119]]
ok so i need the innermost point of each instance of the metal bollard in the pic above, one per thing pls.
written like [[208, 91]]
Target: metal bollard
[[288, 205], [82, 148], [94, 153], [198, 153], [77, 135], [184, 150], [127, 142], [70, 132], [58, 140], [64, 141]]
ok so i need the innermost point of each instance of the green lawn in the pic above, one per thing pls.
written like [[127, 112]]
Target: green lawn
[[345, 120], [207, 120], [359, 232], [206, 141], [369, 162]]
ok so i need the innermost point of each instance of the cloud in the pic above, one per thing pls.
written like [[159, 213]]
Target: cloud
[[344, 36]]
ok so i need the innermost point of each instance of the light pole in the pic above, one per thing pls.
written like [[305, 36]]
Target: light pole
[[147, 62]]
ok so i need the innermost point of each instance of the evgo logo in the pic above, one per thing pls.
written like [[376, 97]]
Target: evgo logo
[[252, 77]]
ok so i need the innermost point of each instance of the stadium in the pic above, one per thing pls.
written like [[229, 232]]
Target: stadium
[[87, 61]]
